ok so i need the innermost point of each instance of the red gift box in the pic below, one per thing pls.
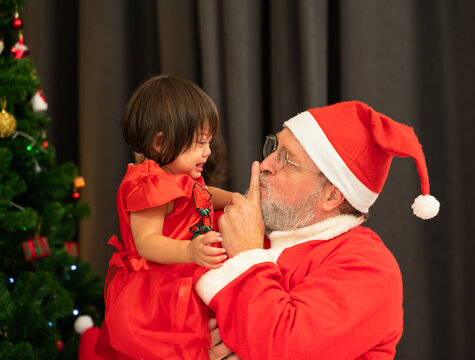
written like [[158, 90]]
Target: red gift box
[[35, 248], [71, 248]]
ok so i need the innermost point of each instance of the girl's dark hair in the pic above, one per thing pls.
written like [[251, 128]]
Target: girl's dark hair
[[171, 105]]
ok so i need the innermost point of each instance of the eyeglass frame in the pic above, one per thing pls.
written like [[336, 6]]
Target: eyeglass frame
[[286, 161]]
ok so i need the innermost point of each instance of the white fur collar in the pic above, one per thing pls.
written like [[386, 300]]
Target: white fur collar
[[325, 230]]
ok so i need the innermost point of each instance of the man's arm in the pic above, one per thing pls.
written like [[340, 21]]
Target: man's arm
[[339, 310]]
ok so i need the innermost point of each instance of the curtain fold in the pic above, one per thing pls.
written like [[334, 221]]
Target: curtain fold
[[263, 62], [102, 79]]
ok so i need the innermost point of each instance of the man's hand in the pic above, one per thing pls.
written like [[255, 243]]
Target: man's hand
[[218, 349], [242, 226]]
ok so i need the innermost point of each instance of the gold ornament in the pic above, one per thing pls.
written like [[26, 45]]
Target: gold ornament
[[7, 122]]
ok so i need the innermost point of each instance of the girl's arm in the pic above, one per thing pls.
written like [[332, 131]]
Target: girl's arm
[[220, 198], [147, 228]]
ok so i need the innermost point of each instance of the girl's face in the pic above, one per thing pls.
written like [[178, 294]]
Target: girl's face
[[192, 160]]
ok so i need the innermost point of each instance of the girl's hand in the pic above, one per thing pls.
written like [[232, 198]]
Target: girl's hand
[[202, 253]]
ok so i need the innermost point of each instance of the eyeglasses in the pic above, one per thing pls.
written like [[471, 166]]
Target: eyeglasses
[[281, 157]]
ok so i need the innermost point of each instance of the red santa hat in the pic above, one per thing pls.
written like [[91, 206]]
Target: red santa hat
[[353, 145], [89, 335]]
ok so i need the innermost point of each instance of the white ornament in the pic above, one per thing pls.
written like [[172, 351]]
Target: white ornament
[[38, 102], [82, 323], [426, 206], [2, 46]]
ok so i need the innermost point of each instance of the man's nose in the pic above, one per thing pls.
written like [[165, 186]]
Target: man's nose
[[268, 164]]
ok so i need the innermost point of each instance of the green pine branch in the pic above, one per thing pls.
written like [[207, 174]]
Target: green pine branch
[[37, 297]]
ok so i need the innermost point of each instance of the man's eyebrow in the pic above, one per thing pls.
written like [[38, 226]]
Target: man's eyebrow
[[290, 153]]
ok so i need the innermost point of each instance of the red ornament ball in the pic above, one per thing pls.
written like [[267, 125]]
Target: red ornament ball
[[60, 345], [17, 24]]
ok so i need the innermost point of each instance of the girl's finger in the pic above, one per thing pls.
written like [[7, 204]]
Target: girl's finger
[[213, 251], [214, 266], [211, 240]]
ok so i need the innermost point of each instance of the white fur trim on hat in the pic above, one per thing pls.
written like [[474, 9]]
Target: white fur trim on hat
[[426, 206], [312, 138]]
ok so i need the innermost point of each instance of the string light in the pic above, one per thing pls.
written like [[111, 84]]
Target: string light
[[75, 312], [12, 280], [32, 141], [21, 208], [73, 267]]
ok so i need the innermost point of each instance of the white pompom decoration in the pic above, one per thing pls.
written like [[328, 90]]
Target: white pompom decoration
[[426, 206], [83, 323]]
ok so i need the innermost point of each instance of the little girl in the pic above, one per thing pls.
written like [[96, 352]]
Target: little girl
[[166, 224]]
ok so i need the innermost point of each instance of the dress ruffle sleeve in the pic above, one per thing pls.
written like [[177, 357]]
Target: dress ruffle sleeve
[[154, 190]]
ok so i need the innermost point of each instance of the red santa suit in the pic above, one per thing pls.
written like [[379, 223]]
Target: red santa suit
[[328, 291]]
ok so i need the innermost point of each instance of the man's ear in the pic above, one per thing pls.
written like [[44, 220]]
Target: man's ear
[[333, 198], [157, 142]]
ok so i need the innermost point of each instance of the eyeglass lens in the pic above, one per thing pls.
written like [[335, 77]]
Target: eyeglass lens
[[269, 145], [281, 157]]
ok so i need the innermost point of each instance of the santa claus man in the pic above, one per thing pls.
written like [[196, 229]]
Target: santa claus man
[[325, 287]]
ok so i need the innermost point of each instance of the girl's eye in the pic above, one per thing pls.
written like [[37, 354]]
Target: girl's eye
[[204, 142]]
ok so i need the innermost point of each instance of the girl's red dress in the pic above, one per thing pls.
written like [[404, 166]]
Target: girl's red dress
[[152, 311]]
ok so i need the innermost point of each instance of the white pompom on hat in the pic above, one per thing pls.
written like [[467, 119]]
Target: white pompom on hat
[[83, 323], [353, 145]]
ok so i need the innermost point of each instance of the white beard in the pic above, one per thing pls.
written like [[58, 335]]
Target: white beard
[[279, 216]]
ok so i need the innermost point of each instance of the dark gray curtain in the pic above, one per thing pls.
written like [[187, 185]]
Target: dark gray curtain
[[264, 61]]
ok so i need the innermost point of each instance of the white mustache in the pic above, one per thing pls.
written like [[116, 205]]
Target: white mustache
[[263, 180]]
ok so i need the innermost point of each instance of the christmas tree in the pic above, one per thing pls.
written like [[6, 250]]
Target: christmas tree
[[43, 285]]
